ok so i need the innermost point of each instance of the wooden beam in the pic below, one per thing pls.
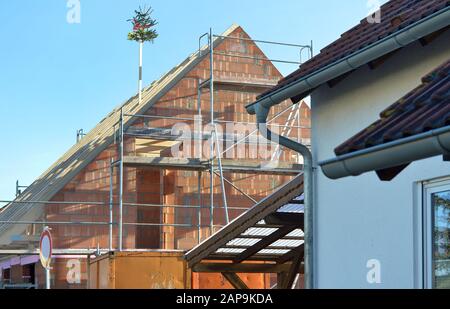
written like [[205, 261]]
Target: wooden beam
[[207, 249], [297, 202], [268, 226], [291, 255], [433, 36], [247, 268], [265, 242], [381, 60], [284, 218], [281, 277], [293, 272], [235, 281], [332, 83]]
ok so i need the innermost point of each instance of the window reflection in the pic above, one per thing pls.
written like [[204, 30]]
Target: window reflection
[[441, 237]]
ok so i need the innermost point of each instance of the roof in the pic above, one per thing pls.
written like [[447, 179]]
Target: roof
[[272, 231], [425, 108], [97, 140], [395, 15]]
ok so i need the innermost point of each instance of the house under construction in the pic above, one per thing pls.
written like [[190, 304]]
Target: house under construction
[[158, 176]]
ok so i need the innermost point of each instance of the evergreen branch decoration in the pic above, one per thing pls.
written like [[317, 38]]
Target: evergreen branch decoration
[[143, 26]]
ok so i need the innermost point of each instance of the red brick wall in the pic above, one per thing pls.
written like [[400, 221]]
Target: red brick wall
[[177, 187]]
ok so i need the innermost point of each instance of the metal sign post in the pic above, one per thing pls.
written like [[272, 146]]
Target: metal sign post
[[47, 278], [45, 253]]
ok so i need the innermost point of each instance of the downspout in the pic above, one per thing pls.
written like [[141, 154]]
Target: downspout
[[261, 117], [261, 107]]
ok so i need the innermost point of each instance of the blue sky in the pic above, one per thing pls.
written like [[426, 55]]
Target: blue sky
[[57, 77]]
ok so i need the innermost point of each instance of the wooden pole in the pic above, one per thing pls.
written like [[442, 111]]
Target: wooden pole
[[141, 45]]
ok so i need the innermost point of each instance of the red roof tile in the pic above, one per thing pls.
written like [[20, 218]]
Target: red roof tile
[[395, 15], [425, 108]]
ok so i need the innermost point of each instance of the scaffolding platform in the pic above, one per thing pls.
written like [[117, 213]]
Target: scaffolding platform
[[240, 83], [228, 165]]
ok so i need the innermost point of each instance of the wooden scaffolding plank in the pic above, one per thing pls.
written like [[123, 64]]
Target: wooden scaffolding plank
[[230, 165]]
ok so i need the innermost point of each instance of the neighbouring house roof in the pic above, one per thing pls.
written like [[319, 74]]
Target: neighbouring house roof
[[395, 15], [415, 127], [97, 140], [271, 231], [425, 108]]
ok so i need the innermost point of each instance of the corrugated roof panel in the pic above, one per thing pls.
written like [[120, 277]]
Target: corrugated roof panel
[[244, 227], [287, 243], [243, 242], [230, 251], [273, 251], [296, 233], [259, 231], [300, 197], [292, 208]]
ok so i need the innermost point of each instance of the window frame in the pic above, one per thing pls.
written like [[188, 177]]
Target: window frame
[[429, 189]]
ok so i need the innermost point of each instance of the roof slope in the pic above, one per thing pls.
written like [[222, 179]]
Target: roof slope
[[395, 15], [425, 108], [97, 140]]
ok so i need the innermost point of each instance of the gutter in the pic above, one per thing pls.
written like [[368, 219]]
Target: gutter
[[397, 40], [395, 153], [262, 106], [306, 84]]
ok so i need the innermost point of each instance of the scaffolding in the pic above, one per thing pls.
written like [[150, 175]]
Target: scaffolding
[[215, 151], [19, 188], [215, 165]]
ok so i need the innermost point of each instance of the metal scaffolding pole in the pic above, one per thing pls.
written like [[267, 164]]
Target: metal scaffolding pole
[[211, 194], [111, 201], [211, 100], [211, 68], [52, 222], [260, 41], [215, 154], [222, 183], [199, 210], [107, 204], [121, 172], [214, 132], [238, 189], [199, 123], [300, 46]]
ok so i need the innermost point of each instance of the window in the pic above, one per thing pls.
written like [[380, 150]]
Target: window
[[437, 235], [28, 273], [6, 276]]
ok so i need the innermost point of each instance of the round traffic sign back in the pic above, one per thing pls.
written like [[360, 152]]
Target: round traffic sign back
[[45, 248]]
